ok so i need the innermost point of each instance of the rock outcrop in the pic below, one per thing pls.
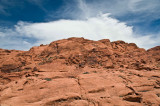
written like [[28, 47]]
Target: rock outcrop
[[80, 72]]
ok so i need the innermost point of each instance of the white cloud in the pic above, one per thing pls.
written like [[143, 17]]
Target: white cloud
[[6, 4], [39, 3], [95, 28], [87, 23], [144, 9]]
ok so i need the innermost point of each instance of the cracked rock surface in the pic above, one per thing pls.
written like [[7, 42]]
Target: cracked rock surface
[[80, 72]]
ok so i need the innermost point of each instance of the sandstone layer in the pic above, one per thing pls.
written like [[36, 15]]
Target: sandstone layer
[[80, 72]]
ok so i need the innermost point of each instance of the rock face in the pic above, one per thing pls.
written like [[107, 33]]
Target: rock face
[[80, 72]]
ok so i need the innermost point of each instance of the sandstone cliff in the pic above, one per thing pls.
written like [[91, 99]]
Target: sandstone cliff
[[80, 72]]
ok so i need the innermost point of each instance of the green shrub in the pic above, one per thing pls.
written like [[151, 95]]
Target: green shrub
[[86, 73], [47, 79]]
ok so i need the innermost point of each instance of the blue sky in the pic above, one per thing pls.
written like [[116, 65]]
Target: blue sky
[[27, 23]]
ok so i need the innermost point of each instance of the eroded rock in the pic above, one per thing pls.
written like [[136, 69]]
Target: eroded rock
[[80, 72]]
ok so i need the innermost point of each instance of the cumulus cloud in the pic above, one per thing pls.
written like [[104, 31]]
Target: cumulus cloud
[[95, 28], [88, 21]]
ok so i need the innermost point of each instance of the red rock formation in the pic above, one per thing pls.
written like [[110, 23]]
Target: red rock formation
[[80, 72]]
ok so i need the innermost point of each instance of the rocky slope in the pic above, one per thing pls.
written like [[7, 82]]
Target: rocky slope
[[80, 72]]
